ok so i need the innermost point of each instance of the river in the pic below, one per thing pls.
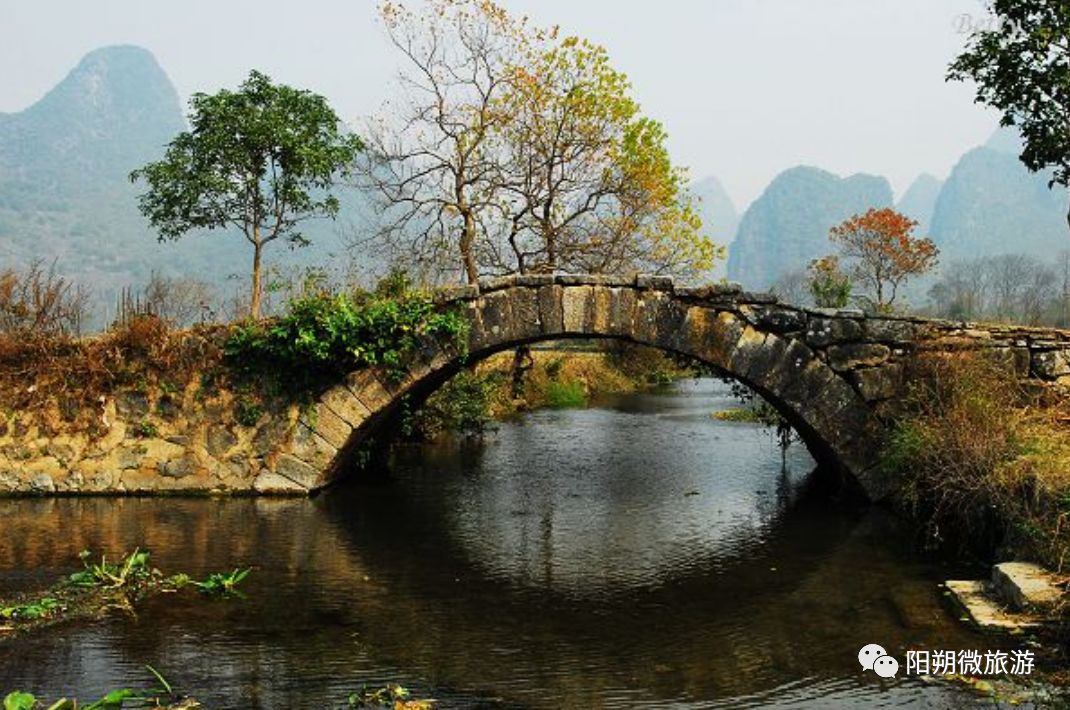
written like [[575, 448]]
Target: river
[[634, 554]]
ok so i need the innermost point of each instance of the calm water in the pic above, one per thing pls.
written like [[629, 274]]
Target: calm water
[[639, 554]]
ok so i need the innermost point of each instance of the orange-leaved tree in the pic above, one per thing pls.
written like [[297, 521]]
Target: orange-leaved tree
[[883, 252]]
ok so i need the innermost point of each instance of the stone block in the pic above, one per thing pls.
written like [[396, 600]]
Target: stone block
[[220, 440], [851, 356], [534, 280], [313, 449], [826, 331], [656, 283], [270, 436], [269, 483], [1025, 586], [524, 311], [345, 405], [367, 387], [621, 310], [42, 484], [575, 303], [551, 311], [297, 471], [887, 330], [877, 383], [779, 320], [757, 297], [590, 280], [1050, 364], [180, 468], [320, 419], [456, 293], [497, 283]]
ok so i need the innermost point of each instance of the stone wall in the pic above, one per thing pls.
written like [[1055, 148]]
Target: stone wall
[[152, 442]]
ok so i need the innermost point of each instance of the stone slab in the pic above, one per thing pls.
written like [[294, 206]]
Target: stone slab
[[974, 598], [1024, 586]]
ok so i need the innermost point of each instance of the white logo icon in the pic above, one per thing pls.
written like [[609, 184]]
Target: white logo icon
[[873, 657], [870, 653], [886, 667]]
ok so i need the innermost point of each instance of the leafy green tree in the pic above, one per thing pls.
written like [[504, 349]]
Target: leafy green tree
[[1021, 65], [829, 285], [261, 159], [588, 184]]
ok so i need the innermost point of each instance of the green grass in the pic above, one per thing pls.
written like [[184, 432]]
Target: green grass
[[566, 394]]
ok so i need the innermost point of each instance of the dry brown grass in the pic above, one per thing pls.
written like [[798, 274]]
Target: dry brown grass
[[56, 375], [986, 461]]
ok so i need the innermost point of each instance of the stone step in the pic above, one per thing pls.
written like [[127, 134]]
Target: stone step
[[976, 599], [1024, 586]]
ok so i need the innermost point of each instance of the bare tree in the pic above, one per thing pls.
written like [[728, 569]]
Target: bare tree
[[180, 302], [430, 161], [37, 301]]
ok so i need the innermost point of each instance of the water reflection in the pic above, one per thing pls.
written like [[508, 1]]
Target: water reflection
[[643, 490], [638, 555]]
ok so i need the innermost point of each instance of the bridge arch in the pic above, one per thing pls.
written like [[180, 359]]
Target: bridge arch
[[778, 351]]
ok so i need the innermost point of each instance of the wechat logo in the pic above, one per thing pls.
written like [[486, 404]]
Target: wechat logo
[[873, 657]]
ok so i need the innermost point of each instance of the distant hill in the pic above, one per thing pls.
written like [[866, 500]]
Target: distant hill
[[720, 220], [991, 204], [919, 201], [788, 225], [65, 192]]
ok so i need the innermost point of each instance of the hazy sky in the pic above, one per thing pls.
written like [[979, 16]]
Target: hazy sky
[[746, 88]]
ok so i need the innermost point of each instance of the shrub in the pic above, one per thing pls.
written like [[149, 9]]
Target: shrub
[[830, 287], [325, 336], [981, 462], [462, 405], [247, 412], [36, 302], [566, 393]]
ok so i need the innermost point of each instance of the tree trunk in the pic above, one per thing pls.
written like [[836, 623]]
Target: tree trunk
[[468, 239], [522, 362], [254, 301]]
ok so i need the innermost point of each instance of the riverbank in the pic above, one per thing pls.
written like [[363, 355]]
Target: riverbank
[[984, 462], [556, 376], [146, 410]]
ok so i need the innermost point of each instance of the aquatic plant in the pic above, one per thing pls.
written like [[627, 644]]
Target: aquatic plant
[[39, 609], [133, 568], [222, 584], [387, 696], [103, 585], [162, 697]]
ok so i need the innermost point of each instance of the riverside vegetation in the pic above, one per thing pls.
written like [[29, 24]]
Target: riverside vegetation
[[164, 697], [984, 462], [102, 586]]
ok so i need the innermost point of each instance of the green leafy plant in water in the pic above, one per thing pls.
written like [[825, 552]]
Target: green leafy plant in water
[[134, 567], [162, 697], [18, 700], [31, 611], [388, 696], [222, 584]]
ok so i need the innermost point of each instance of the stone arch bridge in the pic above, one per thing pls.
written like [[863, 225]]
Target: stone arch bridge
[[835, 375]]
